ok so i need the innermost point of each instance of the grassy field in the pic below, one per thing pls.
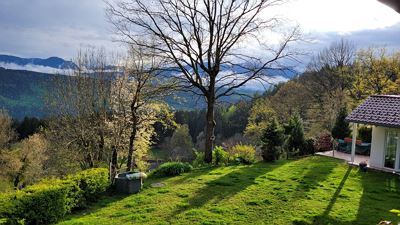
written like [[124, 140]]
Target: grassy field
[[313, 190]]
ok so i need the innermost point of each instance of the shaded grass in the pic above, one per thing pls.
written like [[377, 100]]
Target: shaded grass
[[312, 190]]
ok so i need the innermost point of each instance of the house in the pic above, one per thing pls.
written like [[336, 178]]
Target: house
[[383, 113]]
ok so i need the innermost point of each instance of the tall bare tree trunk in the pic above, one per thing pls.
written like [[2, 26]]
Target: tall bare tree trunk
[[114, 164], [210, 127], [131, 142]]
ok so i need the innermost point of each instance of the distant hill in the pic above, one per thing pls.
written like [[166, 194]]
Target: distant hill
[[22, 94], [52, 62]]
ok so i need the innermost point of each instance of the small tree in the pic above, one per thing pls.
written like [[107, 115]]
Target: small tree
[[341, 128], [295, 134], [271, 139], [7, 133], [260, 117], [181, 144]]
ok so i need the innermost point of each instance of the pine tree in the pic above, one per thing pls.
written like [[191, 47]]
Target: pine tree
[[295, 135], [272, 139], [341, 128]]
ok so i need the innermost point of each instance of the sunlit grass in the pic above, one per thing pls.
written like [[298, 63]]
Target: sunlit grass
[[313, 190]]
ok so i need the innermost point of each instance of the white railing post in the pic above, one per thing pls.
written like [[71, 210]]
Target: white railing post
[[397, 162], [353, 142]]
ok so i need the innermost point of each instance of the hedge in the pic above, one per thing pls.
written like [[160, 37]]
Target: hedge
[[171, 169], [49, 200]]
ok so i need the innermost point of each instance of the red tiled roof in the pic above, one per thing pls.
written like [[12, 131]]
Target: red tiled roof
[[380, 110]]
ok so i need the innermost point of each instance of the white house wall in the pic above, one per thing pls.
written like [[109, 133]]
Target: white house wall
[[377, 147]]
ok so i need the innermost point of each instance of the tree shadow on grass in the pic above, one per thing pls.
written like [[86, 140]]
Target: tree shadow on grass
[[228, 185], [193, 174], [324, 218], [381, 193], [313, 176], [104, 201]]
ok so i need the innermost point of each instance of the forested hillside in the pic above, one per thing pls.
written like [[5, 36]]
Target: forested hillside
[[22, 92]]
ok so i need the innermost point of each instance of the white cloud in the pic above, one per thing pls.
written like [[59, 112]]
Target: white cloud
[[340, 16], [31, 67]]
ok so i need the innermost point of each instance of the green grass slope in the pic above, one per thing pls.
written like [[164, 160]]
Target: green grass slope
[[313, 190]]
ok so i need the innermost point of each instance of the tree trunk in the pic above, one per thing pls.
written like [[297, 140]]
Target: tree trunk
[[114, 165], [101, 146], [17, 178], [131, 143], [210, 127]]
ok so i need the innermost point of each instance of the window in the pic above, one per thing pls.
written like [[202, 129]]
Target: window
[[391, 148]]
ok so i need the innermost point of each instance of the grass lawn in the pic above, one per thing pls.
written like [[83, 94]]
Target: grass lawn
[[312, 190]]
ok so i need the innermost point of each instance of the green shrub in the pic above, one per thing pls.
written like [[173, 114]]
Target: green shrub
[[92, 182], [37, 204], [172, 169], [199, 160], [308, 147], [243, 153], [48, 201], [220, 156]]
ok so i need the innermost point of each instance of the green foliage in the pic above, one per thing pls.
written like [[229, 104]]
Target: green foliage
[[92, 182], [341, 128], [199, 159], [365, 134], [220, 156], [181, 145], [243, 153], [260, 116], [395, 211], [48, 201], [28, 126], [272, 139], [375, 71], [37, 204], [295, 134], [308, 147], [172, 169]]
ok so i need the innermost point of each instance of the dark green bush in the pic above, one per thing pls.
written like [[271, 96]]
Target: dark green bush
[[49, 200], [172, 169], [308, 147]]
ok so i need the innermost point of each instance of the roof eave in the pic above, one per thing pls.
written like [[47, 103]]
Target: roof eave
[[372, 123]]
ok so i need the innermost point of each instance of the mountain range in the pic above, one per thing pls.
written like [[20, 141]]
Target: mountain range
[[24, 83], [52, 62]]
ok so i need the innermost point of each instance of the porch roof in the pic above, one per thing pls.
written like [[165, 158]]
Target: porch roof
[[379, 110]]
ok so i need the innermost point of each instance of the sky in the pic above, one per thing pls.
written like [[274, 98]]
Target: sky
[[44, 28]]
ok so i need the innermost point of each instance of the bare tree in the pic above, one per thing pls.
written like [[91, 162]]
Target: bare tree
[[203, 37], [328, 76], [79, 104], [330, 68], [7, 133], [143, 88]]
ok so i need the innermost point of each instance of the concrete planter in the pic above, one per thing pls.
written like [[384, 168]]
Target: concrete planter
[[125, 183]]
